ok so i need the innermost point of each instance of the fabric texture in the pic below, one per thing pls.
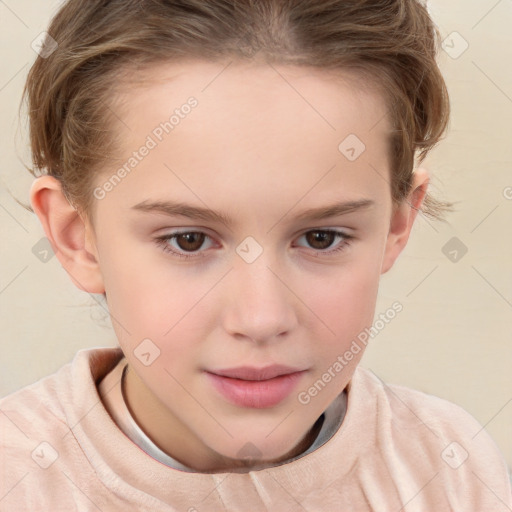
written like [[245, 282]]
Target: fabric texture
[[396, 449]]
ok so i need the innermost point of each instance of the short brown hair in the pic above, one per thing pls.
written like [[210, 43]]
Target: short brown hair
[[394, 43]]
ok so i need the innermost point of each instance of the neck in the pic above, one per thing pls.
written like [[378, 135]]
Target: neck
[[181, 444]]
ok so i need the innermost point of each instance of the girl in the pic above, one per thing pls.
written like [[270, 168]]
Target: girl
[[234, 177]]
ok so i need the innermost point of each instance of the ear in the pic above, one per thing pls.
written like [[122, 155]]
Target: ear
[[70, 236], [403, 218]]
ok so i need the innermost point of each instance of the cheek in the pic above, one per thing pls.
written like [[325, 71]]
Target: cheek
[[345, 302], [345, 306], [138, 296], [170, 307]]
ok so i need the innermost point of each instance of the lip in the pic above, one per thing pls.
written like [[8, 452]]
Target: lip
[[256, 388], [253, 373]]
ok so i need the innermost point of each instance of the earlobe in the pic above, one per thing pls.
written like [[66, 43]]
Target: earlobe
[[67, 233], [403, 218]]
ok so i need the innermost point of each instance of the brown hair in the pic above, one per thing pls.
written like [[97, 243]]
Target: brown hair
[[393, 43]]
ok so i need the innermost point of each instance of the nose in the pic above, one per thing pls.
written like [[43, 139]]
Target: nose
[[260, 306]]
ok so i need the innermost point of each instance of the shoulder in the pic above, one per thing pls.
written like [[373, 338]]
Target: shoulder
[[23, 412], [37, 421], [32, 432], [47, 401], [409, 408], [432, 435]]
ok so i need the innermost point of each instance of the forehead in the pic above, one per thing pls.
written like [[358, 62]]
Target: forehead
[[327, 99], [253, 126]]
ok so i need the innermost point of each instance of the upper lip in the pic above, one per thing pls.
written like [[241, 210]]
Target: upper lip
[[252, 373]]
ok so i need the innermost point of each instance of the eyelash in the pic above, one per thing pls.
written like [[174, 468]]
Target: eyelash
[[163, 242]]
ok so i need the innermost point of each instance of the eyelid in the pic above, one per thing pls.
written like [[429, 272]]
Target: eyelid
[[346, 232], [163, 240], [173, 234], [344, 239], [341, 230], [336, 231]]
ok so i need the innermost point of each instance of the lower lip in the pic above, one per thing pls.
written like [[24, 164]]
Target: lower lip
[[256, 394]]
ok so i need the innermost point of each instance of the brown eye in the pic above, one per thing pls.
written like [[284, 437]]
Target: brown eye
[[190, 241], [326, 242], [320, 239], [187, 244]]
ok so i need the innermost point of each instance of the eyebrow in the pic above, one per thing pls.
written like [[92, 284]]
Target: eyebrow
[[177, 209]]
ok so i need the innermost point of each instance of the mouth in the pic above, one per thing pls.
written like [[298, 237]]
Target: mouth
[[253, 373], [255, 388]]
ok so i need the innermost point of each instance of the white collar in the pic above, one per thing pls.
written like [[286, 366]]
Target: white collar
[[111, 390]]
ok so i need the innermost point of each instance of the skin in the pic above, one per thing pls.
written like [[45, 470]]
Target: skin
[[259, 151]]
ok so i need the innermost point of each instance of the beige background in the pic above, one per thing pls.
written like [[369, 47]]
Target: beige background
[[454, 337]]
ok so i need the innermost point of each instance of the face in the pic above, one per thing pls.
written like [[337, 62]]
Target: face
[[220, 246]]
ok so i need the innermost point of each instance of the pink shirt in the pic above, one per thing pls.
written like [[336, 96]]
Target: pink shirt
[[396, 450]]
